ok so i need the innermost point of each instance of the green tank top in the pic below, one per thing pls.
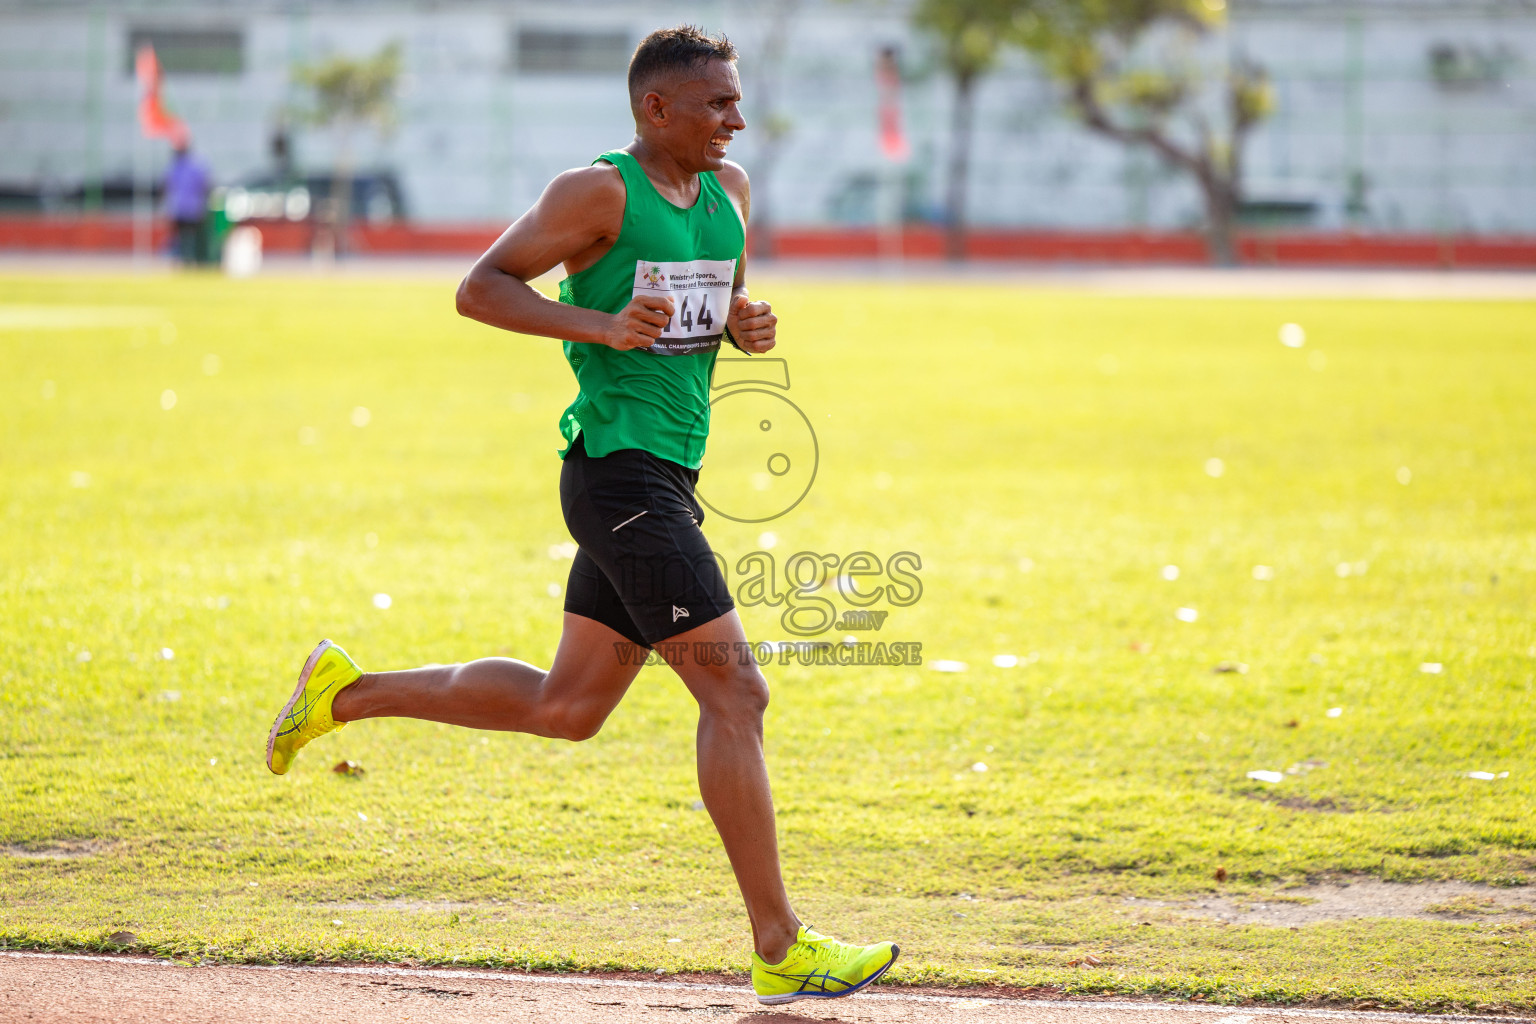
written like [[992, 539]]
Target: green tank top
[[655, 399]]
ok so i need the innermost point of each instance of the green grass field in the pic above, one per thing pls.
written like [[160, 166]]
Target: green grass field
[[1045, 454]]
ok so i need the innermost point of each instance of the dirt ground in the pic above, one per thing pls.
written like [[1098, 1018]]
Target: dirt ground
[[1362, 897], [55, 989], [1337, 900]]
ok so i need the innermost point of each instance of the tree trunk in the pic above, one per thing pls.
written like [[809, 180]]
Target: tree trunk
[[959, 166], [1220, 218], [342, 195]]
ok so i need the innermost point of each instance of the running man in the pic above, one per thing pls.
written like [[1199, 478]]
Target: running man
[[652, 241]]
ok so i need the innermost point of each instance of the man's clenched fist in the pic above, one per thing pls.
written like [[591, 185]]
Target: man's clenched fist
[[640, 323], [752, 324]]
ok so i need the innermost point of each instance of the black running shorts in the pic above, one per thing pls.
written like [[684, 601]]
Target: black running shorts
[[643, 567]]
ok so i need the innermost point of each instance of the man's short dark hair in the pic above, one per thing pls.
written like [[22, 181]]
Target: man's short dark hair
[[670, 50]]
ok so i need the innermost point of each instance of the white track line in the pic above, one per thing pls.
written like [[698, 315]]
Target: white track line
[[895, 997]]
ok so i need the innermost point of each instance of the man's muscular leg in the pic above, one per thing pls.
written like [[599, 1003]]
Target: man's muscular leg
[[575, 697], [733, 776], [569, 701]]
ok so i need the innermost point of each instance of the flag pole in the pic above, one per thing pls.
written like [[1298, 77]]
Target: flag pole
[[895, 150], [142, 228]]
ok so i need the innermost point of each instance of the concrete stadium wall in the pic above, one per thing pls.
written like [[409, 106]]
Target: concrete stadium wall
[[1363, 131]]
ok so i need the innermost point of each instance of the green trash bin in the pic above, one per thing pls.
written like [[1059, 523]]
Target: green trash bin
[[215, 227]]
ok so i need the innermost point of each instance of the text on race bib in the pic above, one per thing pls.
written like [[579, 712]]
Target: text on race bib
[[701, 298]]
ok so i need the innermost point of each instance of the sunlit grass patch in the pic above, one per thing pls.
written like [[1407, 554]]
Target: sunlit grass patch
[[1129, 633]]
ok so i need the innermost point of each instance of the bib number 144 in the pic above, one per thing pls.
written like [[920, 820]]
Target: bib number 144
[[701, 293], [704, 320]]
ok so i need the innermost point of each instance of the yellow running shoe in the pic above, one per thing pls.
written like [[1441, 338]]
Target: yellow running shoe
[[308, 712], [817, 967]]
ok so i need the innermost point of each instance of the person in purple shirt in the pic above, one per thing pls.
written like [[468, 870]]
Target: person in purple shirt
[[187, 184]]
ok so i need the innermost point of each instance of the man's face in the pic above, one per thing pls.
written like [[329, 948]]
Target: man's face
[[703, 117]]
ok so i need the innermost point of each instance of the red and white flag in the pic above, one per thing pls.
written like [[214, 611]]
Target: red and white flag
[[154, 120], [893, 136]]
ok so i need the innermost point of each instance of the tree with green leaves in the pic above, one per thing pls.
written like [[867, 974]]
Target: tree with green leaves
[[1136, 71], [351, 94], [1133, 73], [969, 45]]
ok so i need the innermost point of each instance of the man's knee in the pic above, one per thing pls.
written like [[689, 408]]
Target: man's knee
[[743, 693], [575, 722], [755, 692]]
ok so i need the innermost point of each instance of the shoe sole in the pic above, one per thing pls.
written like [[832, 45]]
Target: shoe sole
[[790, 997], [304, 674]]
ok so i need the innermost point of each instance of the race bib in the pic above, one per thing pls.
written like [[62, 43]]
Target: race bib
[[701, 299]]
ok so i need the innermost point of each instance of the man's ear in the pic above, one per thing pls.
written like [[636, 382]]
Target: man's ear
[[654, 106]]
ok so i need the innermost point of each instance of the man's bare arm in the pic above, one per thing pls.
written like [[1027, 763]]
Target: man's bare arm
[[575, 221], [753, 325]]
